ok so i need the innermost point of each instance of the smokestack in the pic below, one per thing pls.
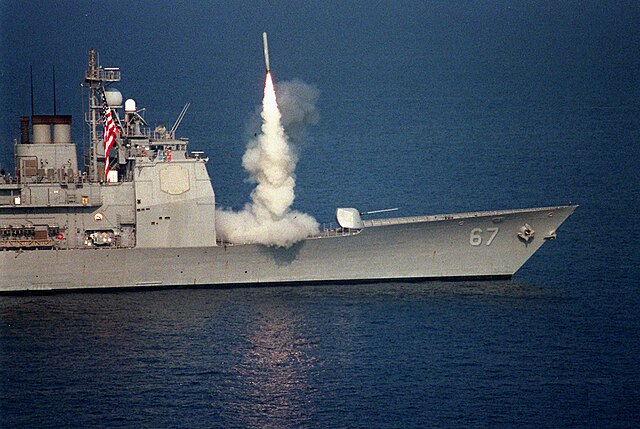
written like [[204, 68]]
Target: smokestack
[[24, 130], [41, 129], [62, 129]]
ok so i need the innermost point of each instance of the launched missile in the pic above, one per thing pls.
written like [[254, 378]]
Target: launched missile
[[266, 50]]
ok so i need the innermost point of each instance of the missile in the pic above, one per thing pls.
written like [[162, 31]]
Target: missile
[[266, 50]]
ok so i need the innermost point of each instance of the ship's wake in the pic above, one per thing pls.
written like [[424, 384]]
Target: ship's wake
[[270, 161]]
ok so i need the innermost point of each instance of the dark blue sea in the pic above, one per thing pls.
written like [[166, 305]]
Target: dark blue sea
[[432, 107]]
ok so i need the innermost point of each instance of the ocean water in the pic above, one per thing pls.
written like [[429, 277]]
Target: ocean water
[[430, 107]]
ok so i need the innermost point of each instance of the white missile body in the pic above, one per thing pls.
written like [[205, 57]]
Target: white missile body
[[266, 50]]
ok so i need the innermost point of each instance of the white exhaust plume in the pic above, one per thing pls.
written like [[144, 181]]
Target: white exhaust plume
[[271, 163]]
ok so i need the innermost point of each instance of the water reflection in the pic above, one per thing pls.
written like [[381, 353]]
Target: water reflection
[[251, 357], [276, 368]]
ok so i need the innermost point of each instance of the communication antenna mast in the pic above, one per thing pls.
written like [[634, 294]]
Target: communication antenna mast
[[53, 71], [179, 120], [95, 78], [31, 76]]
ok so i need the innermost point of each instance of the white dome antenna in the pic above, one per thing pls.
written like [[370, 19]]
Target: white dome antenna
[[130, 105], [113, 96]]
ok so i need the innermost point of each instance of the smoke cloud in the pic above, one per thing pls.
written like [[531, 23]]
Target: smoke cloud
[[270, 160]]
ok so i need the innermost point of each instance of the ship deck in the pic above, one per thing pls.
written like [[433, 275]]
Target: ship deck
[[329, 230], [453, 216]]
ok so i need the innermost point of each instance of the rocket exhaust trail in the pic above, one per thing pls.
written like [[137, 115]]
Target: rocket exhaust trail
[[265, 46], [268, 219]]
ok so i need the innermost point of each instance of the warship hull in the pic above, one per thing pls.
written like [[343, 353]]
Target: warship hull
[[468, 245], [141, 213]]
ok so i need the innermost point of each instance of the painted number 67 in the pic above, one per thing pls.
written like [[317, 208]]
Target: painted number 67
[[475, 239]]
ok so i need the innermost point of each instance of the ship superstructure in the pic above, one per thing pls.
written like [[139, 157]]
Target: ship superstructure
[[147, 207], [156, 194]]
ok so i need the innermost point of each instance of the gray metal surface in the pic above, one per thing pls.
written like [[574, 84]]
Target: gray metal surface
[[154, 224], [456, 246]]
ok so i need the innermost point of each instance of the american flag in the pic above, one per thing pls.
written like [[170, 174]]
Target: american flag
[[110, 133]]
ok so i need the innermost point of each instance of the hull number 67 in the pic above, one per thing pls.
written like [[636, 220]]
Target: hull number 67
[[478, 236]]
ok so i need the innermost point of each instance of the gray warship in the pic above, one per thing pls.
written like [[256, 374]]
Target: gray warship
[[142, 214]]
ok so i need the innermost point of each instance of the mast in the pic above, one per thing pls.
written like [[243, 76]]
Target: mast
[[53, 73], [96, 77], [31, 76]]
